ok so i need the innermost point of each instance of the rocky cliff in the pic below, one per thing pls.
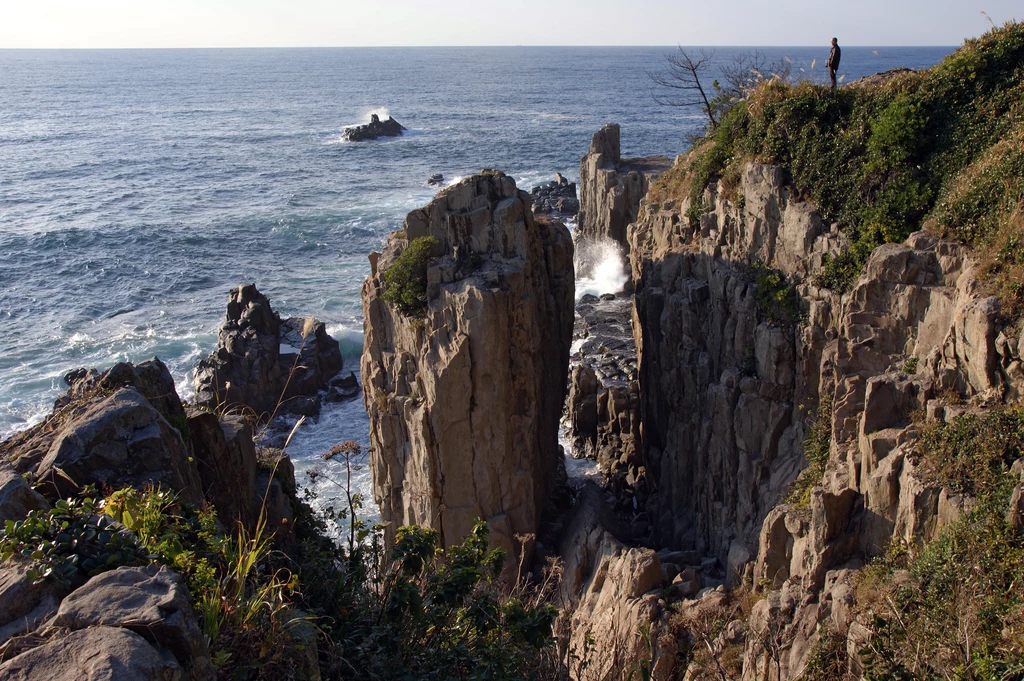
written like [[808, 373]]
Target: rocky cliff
[[611, 187], [740, 352], [464, 394]]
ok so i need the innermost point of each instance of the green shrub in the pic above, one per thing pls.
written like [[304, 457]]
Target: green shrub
[[405, 281], [942, 145], [70, 542], [776, 299], [817, 450]]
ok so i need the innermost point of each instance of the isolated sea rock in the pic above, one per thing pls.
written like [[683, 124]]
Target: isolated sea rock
[[269, 365], [374, 129], [464, 400], [612, 187], [557, 197]]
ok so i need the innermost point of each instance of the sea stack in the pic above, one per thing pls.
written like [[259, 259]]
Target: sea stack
[[464, 385]]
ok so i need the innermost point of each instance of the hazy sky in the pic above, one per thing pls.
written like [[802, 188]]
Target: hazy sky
[[255, 23]]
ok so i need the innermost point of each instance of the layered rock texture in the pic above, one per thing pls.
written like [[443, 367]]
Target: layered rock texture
[[268, 365], [731, 379], [464, 398], [611, 187]]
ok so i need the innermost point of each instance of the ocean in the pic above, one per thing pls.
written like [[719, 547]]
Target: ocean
[[138, 186]]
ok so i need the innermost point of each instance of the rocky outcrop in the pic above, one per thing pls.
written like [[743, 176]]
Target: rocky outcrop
[[464, 399], [16, 497], [730, 383], [375, 129], [225, 457], [128, 623], [619, 621], [106, 431], [268, 365], [612, 187], [557, 197]]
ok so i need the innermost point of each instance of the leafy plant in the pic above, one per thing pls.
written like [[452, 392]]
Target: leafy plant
[[70, 542], [776, 299], [405, 281], [817, 450]]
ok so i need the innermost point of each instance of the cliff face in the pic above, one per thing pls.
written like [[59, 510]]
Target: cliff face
[[732, 368], [611, 187], [464, 401]]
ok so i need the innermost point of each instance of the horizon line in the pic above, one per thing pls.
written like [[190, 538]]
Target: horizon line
[[444, 47]]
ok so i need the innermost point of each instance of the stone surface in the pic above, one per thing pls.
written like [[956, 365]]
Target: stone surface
[[95, 654], [464, 402], [24, 605], [225, 457], [119, 441], [268, 365], [557, 196], [611, 187], [375, 129], [16, 497], [153, 602], [728, 394]]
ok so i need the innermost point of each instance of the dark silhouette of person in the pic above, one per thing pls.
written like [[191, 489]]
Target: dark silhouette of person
[[833, 61]]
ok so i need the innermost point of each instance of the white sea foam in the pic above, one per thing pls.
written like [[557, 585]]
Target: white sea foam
[[600, 268]]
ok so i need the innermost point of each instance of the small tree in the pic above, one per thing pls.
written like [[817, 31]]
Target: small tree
[[680, 84]]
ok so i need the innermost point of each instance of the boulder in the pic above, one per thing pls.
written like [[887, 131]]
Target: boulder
[[464, 398], [16, 497], [374, 129], [268, 365], [96, 654], [152, 602], [119, 441], [25, 603]]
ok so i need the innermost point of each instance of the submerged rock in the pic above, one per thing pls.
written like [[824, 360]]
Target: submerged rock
[[374, 129], [269, 365], [464, 399]]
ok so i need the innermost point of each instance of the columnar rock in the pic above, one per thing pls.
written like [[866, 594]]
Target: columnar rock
[[464, 397], [611, 187], [269, 365], [730, 383]]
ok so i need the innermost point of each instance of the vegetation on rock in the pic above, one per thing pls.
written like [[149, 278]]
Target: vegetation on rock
[[941, 147], [405, 281]]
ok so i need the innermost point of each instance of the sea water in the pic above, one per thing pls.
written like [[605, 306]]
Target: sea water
[[138, 186]]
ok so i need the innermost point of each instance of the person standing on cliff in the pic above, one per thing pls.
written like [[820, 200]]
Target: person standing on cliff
[[833, 61]]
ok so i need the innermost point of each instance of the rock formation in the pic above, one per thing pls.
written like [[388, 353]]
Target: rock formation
[[611, 187], [557, 196], [374, 129], [730, 384], [464, 398], [269, 365]]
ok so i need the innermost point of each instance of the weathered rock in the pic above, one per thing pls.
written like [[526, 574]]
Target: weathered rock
[[611, 187], [615, 592], [95, 654], [266, 364], [119, 441], [727, 389], [153, 602], [376, 128], [24, 604], [558, 196], [86, 387], [464, 402], [225, 457], [16, 497]]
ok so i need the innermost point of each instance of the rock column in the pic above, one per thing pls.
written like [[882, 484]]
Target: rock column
[[464, 398]]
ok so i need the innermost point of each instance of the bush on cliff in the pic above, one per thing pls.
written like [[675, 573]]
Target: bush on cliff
[[941, 148], [955, 608], [405, 281]]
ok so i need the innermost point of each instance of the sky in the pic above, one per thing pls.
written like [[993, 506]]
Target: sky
[[329, 23]]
